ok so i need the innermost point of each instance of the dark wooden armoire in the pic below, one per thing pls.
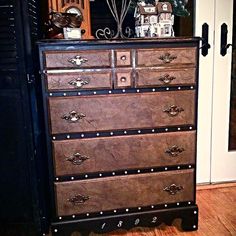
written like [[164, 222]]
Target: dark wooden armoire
[[22, 178]]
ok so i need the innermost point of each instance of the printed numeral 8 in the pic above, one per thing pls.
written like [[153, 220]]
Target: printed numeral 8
[[120, 224]]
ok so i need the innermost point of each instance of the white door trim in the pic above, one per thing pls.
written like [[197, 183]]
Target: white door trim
[[204, 13], [223, 167]]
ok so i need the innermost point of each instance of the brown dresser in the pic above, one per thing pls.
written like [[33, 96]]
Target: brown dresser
[[120, 120]]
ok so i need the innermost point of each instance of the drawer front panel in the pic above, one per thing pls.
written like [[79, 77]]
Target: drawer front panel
[[77, 59], [81, 81], [117, 112], [115, 192], [159, 77], [123, 58], [123, 79], [84, 156], [166, 57]]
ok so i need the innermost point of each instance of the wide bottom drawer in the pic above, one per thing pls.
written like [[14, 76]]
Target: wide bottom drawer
[[122, 192]]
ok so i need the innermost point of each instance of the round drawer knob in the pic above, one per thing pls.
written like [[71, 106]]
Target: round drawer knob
[[123, 79], [123, 58]]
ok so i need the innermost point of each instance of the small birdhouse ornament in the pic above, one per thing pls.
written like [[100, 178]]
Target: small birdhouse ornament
[[154, 20]]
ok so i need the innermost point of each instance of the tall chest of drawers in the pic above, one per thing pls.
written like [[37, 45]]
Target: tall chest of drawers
[[120, 120]]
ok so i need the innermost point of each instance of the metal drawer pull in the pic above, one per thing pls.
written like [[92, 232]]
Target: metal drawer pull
[[77, 159], [78, 83], [173, 110], [167, 58], [167, 79], [77, 60], [173, 189], [78, 199], [123, 58], [73, 117], [174, 151], [123, 79]]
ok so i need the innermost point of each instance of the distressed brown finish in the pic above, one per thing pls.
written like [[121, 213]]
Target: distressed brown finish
[[115, 192], [79, 80], [123, 58], [94, 59], [123, 79], [107, 152], [177, 56], [123, 153], [159, 77], [123, 111]]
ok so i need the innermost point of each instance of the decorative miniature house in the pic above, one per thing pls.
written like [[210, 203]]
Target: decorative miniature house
[[154, 20]]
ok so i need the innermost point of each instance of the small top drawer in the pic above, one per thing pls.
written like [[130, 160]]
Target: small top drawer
[[77, 59], [79, 81], [123, 58], [166, 57], [162, 77]]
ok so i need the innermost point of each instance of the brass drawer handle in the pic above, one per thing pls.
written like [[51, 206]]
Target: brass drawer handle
[[73, 117], [173, 189], [78, 83], [173, 110], [174, 151], [167, 79], [167, 58], [78, 60], [78, 199], [123, 58], [77, 159]]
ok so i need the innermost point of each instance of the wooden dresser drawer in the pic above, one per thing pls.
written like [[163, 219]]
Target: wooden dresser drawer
[[77, 59], [76, 157], [166, 57], [123, 79], [123, 58], [121, 111], [122, 192], [161, 77], [80, 80]]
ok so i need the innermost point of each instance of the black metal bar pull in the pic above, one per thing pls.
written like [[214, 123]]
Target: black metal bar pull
[[205, 39], [223, 42]]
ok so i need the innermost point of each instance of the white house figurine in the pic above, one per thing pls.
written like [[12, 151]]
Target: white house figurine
[[154, 20]]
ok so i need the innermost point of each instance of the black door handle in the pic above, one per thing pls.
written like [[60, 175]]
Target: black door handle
[[205, 39], [223, 42]]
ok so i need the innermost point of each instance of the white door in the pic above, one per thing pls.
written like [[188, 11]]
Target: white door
[[217, 118], [223, 147]]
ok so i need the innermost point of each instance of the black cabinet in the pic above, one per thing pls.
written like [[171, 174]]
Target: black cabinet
[[22, 180]]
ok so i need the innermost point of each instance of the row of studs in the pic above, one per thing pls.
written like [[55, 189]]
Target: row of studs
[[123, 91], [137, 221], [126, 172], [127, 210], [124, 132]]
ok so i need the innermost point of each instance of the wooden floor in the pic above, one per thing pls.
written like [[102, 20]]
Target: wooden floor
[[217, 216]]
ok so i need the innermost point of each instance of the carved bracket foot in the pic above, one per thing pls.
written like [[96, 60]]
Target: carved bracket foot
[[188, 215]]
